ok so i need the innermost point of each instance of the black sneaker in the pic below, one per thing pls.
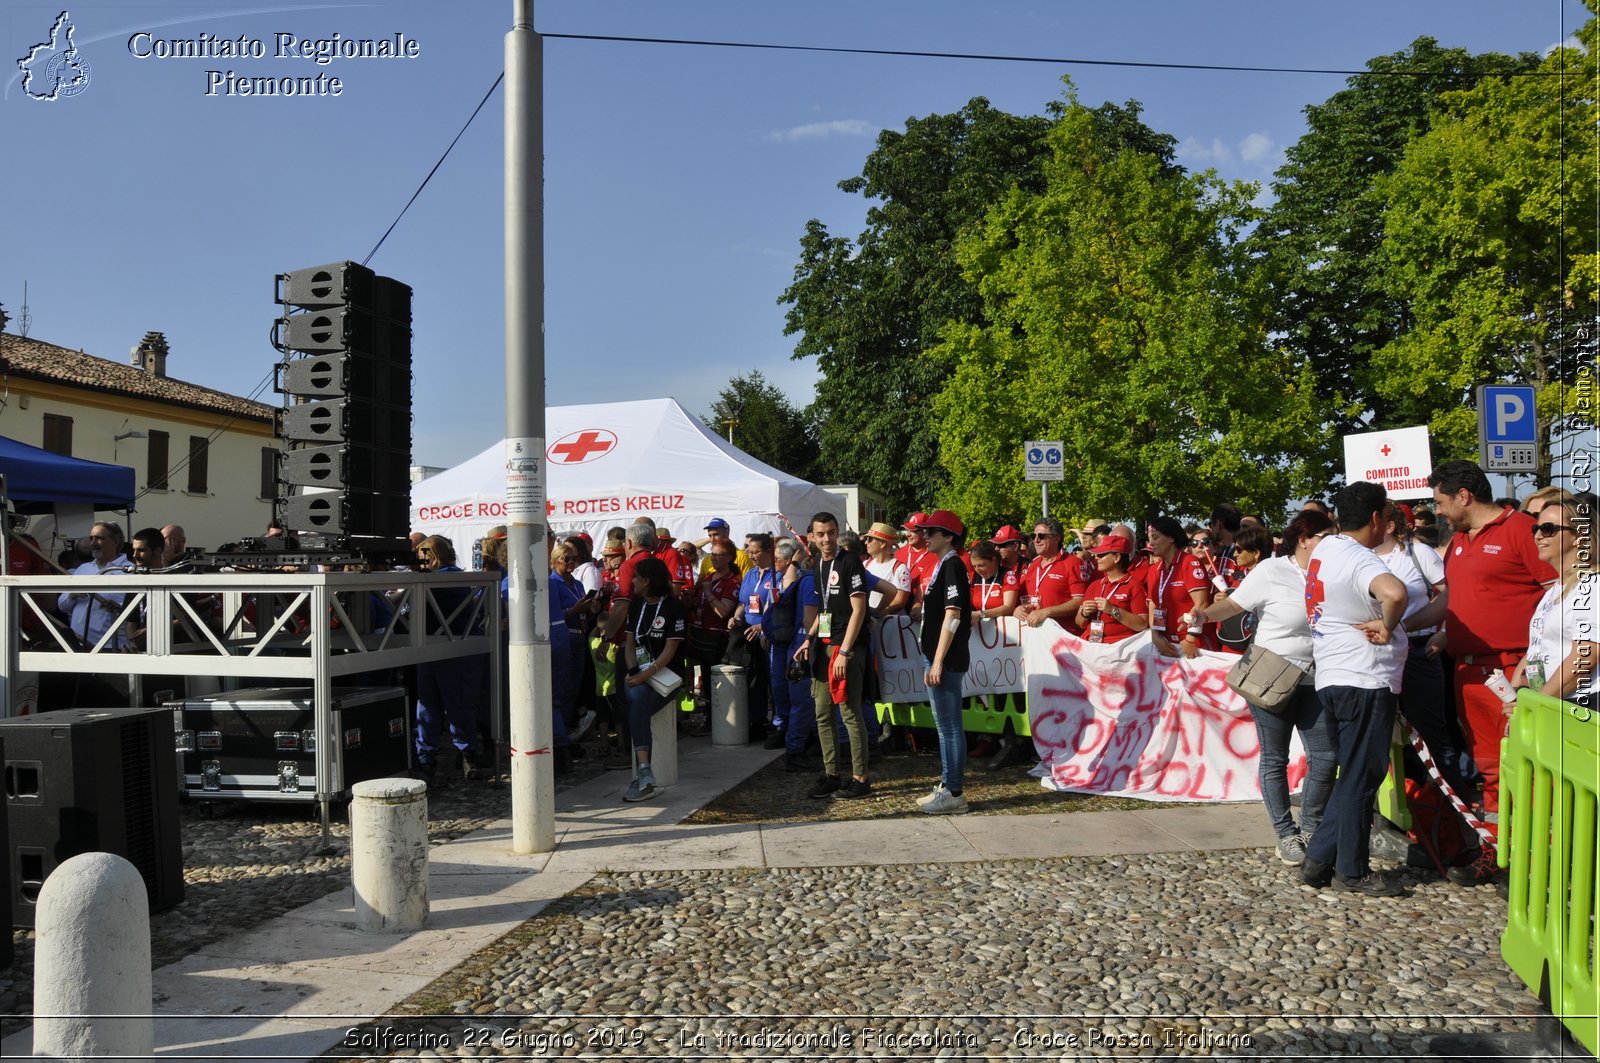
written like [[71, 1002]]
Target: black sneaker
[[1371, 884], [774, 740], [1315, 873], [854, 787], [1480, 870], [825, 786]]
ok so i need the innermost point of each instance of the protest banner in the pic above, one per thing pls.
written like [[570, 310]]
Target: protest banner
[[995, 645], [1124, 719]]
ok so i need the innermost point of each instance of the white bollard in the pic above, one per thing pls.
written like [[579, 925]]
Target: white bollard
[[91, 977], [389, 854], [664, 743], [730, 706]]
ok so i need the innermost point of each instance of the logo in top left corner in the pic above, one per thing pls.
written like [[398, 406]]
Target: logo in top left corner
[[54, 69]]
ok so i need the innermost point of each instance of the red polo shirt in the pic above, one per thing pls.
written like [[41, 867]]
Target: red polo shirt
[[1169, 590], [1053, 581], [990, 594], [922, 564], [1127, 594], [1495, 579]]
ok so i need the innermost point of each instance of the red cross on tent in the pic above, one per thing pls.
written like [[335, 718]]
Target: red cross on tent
[[579, 447]]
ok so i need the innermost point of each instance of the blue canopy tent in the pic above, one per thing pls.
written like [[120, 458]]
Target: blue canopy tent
[[36, 480]]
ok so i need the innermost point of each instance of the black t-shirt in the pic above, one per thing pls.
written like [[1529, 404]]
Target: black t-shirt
[[949, 588], [837, 582], [654, 625]]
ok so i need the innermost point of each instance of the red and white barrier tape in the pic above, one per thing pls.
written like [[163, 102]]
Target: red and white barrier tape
[[1455, 802]]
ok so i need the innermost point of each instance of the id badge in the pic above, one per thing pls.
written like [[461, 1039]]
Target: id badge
[[753, 607], [646, 658], [825, 626], [1535, 674], [1220, 582], [1161, 619], [1097, 631]]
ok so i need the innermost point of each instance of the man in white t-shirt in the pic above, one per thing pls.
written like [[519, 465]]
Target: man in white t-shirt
[[1354, 604]]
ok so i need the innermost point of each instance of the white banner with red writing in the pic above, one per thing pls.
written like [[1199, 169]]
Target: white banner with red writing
[[995, 646], [1124, 719]]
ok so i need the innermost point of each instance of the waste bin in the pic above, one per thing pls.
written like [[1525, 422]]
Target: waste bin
[[730, 706]]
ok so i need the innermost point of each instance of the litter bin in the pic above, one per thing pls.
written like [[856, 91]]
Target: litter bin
[[730, 706]]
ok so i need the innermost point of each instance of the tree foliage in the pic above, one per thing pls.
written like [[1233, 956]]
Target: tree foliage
[[1322, 237], [871, 311], [1122, 315], [766, 424], [1490, 240]]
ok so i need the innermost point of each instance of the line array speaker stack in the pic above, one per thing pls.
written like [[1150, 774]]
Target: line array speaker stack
[[344, 475], [86, 781]]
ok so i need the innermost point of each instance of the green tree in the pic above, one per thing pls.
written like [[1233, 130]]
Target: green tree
[[871, 311], [1322, 237], [1490, 240], [1123, 316], [766, 424]]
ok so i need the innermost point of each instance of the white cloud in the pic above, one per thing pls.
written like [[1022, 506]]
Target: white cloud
[[842, 127], [1194, 152], [1257, 147], [1570, 42]]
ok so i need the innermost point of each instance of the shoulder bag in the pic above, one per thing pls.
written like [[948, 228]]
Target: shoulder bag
[[1265, 679]]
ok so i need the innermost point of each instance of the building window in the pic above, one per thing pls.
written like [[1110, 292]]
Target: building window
[[199, 448], [58, 434], [269, 472], [158, 460]]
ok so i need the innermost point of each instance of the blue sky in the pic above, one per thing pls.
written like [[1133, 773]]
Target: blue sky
[[678, 180]]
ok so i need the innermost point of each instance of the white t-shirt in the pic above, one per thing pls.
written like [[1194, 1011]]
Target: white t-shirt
[[1419, 570], [588, 574], [894, 572], [1338, 597], [1275, 590], [1558, 621]]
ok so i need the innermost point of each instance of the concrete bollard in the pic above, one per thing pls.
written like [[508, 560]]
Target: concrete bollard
[[91, 978], [389, 854], [730, 706], [664, 743]]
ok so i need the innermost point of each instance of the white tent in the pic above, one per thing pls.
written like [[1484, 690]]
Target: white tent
[[611, 462]]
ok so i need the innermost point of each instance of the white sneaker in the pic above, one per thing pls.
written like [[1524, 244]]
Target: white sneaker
[[944, 803], [927, 799]]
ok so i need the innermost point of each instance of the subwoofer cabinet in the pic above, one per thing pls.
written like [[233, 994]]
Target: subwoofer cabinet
[[261, 744], [90, 780]]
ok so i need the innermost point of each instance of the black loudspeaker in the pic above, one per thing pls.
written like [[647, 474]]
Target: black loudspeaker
[[6, 953], [344, 512], [347, 466], [91, 780]]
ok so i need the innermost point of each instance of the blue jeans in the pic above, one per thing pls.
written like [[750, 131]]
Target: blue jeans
[[447, 695], [1363, 724], [947, 718], [1426, 703], [1316, 734], [643, 703]]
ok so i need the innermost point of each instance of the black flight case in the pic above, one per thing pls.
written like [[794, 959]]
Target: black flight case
[[261, 744]]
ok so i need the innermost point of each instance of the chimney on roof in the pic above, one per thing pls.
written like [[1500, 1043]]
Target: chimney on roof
[[151, 354]]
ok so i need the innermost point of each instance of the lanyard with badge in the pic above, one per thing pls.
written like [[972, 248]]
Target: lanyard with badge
[[646, 658], [825, 618], [984, 587], [1097, 626], [1168, 573], [1039, 572]]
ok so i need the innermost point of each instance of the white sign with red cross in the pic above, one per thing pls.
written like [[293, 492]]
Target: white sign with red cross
[[1399, 459]]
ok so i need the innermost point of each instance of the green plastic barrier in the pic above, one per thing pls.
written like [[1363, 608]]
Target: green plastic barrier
[[1549, 782], [976, 717], [1391, 799]]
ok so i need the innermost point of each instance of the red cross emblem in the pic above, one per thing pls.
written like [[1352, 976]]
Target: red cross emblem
[[1384, 450], [579, 447]]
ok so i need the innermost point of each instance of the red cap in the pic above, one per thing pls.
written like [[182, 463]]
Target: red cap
[[915, 520], [1008, 533], [1114, 544], [943, 520], [1405, 511]]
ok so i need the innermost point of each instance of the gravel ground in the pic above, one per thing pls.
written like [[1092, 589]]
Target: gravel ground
[[1169, 954]]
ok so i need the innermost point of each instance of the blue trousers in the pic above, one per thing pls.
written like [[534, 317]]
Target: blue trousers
[[1317, 735], [643, 703], [1363, 724], [947, 719], [447, 693]]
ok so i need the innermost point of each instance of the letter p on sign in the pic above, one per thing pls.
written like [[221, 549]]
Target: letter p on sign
[[1508, 410]]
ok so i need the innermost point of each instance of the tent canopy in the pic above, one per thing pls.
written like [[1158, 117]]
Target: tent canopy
[[610, 462], [37, 480]]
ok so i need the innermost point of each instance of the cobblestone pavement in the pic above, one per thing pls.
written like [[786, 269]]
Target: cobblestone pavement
[[1155, 955]]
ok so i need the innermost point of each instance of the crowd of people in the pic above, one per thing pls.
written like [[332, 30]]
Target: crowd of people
[[1432, 611]]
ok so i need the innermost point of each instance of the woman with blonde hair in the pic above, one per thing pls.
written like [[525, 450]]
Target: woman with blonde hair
[[1563, 650]]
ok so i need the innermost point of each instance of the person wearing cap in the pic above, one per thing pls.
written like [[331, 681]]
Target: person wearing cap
[[946, 631], [835, 645], [1090, 531], [639, 545], [916, 556], [1175, 584], [880, 540], [717, 531], [1115, 606], [1010, 541], [1053, 584]]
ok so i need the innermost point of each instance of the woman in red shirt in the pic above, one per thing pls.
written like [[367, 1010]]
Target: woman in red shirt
[[1116, 605], [1177, 584], [994, 589]]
